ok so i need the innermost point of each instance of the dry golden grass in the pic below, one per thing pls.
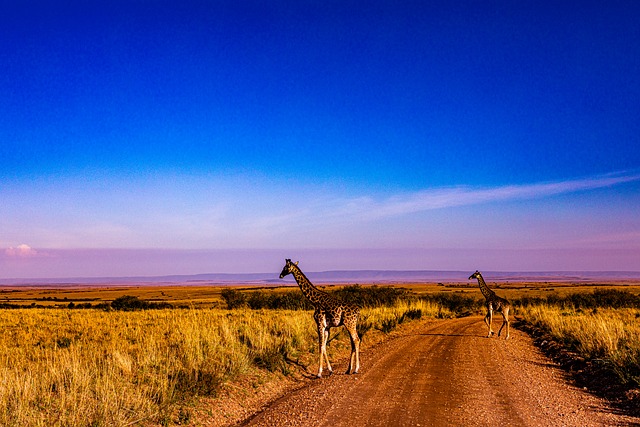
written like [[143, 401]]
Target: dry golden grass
[[609, 335], [63, 367]]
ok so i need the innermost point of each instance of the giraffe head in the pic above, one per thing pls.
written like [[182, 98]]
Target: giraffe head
[[287, 267], [475, 275]]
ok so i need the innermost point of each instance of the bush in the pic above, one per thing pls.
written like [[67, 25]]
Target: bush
[[132, 303], [372, 296], [411, 314], [363, 296], [288, 300], [233, 298], [387, 325], [457, 303]]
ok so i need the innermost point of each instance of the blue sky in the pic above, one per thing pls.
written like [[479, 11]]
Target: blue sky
[[161, 137]]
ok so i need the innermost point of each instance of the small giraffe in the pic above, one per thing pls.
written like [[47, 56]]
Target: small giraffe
[[329, 312], [494, 302]]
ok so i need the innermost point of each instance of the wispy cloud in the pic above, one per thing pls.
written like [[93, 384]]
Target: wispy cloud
[[462, 196], [209, 213], [320, 215]]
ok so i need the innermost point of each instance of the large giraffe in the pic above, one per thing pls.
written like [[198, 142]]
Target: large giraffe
[[329, 312], [493, 302]]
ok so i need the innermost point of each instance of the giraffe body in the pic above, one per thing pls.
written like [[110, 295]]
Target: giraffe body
[[493, 303], [329, 313]]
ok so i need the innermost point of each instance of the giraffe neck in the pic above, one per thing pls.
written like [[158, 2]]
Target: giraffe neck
[[488, 293], [312, 293]]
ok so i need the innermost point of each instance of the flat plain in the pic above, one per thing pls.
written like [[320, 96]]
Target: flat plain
[[203, 295], [202, 364]]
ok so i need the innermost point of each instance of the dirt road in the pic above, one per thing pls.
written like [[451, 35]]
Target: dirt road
[[445, 374]]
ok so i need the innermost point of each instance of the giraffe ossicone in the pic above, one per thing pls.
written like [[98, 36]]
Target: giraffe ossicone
[[329, 312]]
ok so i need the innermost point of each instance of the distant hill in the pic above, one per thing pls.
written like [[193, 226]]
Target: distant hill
[[340, 276]]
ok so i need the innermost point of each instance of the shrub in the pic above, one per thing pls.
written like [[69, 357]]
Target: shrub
[[388, 325], [372, 296], [288, 300], [457, 303], [411, 314], [233, 298], [132, 303]]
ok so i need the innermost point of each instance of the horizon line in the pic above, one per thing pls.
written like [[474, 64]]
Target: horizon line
[[264, 277]]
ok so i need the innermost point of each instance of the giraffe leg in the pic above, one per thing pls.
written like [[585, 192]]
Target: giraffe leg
[[505, 321], [354, 361], [324, 346], [489, 320], [321, 350], [323, 334], [506, 318]]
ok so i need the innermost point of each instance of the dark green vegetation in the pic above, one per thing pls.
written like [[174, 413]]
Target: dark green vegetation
[[599, 298], [292, 299], [123, 303], [132, 303], [459, 303], [362, 296]]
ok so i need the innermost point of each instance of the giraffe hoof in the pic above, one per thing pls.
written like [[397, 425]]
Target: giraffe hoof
[[351, 371]]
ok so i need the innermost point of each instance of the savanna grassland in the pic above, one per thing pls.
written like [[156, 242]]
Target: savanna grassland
[[104, 366], [205, 355]]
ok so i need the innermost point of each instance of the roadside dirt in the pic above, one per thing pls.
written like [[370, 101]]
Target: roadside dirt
[[443, 374]]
